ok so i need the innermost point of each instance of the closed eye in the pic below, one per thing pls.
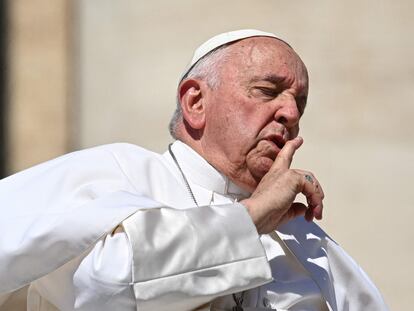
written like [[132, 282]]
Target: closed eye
[[270, 92]]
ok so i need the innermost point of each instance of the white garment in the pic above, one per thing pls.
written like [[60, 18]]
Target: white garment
[[168, 259]]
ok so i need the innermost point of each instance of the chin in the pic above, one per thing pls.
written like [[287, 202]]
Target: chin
[[261, 167]]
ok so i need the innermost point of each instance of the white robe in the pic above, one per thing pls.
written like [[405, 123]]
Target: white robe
[[58, 219]]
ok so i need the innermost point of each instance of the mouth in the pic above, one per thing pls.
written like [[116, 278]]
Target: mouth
[[278, 140]]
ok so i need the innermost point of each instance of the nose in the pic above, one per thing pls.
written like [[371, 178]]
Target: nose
[[287, 113]]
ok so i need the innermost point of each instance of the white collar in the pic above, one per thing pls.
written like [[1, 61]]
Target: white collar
[[198, 171]]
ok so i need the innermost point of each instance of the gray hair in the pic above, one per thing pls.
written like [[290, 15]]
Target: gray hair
[[207, 68]]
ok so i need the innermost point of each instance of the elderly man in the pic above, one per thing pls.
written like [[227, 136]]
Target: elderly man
[[211, 224]]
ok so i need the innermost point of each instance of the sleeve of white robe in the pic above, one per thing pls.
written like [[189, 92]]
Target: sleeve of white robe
[[168, 260], [49, 212], [98, 280]]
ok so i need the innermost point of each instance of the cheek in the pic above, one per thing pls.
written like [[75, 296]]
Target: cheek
[[244, 129], [233, 120], [251, 117], [237, 121], [225, 128]]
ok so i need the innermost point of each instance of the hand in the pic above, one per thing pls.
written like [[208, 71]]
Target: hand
[[272, 202]]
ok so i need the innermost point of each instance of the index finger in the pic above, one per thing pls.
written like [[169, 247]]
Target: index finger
[[285, 156]]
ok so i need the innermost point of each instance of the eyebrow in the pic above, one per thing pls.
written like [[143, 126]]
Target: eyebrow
[[277, 80], [272, 78]]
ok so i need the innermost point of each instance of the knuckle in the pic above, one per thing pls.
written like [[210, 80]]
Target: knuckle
[[292, 174]]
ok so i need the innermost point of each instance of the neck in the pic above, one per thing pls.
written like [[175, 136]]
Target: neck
[[235, 172], [200, 172]]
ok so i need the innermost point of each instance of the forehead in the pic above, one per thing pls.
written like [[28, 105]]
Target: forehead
[[258, 57]]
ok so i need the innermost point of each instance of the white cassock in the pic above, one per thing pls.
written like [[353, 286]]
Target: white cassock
[[58, 222]]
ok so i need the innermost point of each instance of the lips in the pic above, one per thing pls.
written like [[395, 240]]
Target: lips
[[278, 140]]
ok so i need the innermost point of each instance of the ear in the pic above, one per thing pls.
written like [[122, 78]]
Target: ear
[[192, 99]]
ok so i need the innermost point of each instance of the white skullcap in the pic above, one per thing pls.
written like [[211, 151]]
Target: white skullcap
[[222, 39]]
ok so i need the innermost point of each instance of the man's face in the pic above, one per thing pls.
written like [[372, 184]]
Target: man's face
[[255, 109]]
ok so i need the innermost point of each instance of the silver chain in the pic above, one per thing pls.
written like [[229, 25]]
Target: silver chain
[[187, 184]]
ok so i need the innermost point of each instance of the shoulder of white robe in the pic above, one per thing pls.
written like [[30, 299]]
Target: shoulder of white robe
[[49, 212]]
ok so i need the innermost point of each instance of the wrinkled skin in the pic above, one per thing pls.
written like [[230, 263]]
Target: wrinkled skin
[[246, 126]]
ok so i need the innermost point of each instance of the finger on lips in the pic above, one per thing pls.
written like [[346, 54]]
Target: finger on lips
[[285, 156]]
